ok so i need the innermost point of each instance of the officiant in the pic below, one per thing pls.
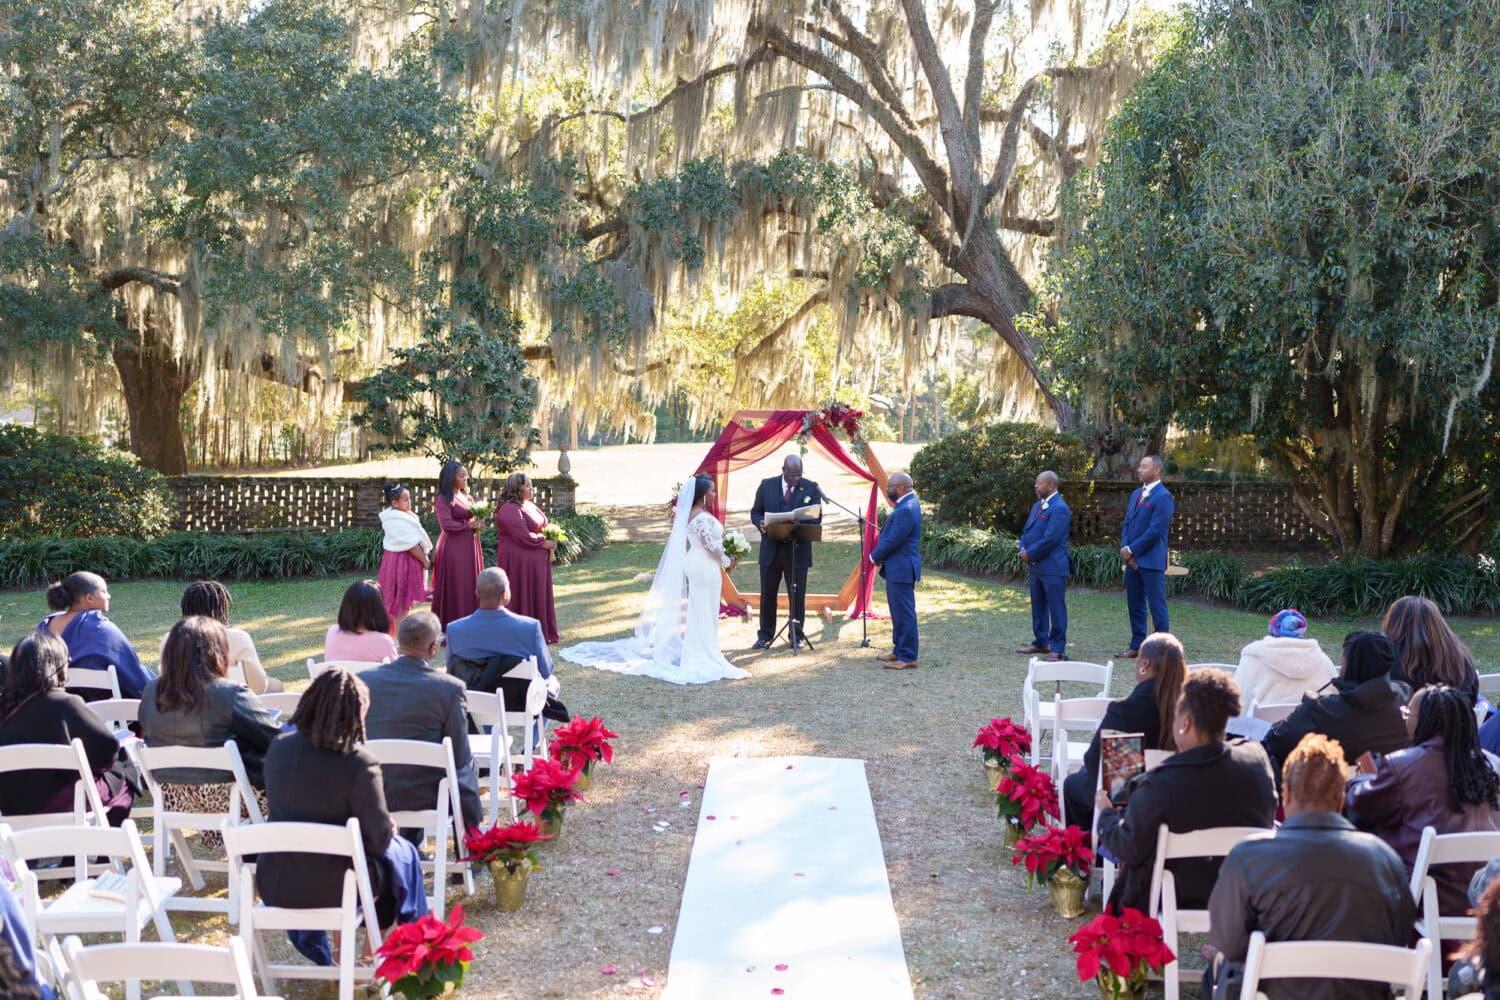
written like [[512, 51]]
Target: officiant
[[787, 560]]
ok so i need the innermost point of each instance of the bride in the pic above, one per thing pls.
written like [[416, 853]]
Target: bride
[[677, 635]]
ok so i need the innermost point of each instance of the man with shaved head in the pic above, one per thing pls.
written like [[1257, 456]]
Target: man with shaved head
[[898, 553], [1044, 548]]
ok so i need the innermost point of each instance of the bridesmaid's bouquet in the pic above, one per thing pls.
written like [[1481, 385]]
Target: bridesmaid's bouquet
[[736, 546], [482, 510]]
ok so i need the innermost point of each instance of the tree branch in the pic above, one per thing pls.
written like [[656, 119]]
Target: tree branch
[[961, 159], [863, 48], [159, 280], [984, 14], [1031, 227], [1005, 163]]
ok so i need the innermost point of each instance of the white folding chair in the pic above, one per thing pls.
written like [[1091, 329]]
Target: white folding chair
[[82, 908], [1272, 712], [168, 826], [1038, 713], [529, 720], [1489, 685], [1473, 849], [316, 667], [1212, 843], [1366, 963], [118, 712], [87, 807], [195, 963], [443, 818], [491, 750], [236, 673], [94, 679], [356, 906], [1230, 667], [1070, 716], [283, 702]]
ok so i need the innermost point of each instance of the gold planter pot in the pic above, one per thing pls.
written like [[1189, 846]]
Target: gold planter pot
[[1067, 893], [510, 886], [1013, 833], [583, 782], [551, 827], [992, 774], [1112, 987]]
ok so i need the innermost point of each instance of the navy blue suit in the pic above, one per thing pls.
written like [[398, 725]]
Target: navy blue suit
[[898, 552], [1148, 523], [1045, 542]]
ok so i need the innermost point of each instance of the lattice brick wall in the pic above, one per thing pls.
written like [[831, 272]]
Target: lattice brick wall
[[1208, 515]]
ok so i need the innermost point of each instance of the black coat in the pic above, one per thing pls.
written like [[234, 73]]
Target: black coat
[[306, 784], [53, 717], [1135, 713], [770, 500], [1222, 784], [1364, 717]]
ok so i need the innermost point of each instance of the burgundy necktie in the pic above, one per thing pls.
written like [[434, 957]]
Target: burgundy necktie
[[787, 498]]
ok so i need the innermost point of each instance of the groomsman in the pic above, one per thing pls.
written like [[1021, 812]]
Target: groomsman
[[898, 553], [1143, 548], [1044, 547]]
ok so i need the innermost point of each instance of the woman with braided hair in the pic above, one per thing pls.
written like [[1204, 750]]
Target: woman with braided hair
[[320, 773]]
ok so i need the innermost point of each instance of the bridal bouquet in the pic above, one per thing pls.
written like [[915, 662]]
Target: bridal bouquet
[[736, 546]]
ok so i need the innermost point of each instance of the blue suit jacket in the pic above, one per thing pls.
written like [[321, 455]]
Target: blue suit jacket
[[1147, 526], [899, 547], [499, 632], [1045, 537]]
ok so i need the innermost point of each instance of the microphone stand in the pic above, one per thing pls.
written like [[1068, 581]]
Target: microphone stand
[[864, 567]]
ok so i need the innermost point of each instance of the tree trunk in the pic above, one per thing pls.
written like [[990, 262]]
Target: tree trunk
[[155, 381]]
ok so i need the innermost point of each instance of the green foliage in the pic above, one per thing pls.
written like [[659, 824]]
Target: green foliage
[[56, 485], [32, 562], [984, 476], [1290, 235]]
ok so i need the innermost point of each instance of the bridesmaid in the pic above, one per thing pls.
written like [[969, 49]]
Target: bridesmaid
[[525, 555], [457, 561]]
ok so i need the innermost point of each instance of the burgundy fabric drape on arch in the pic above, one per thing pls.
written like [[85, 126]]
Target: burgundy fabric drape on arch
[[740, 446]]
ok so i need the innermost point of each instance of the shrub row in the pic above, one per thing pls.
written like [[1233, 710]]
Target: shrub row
[[32, 562], [1459, 584]]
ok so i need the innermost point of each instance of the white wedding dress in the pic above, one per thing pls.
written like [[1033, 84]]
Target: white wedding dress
[[677, 635]]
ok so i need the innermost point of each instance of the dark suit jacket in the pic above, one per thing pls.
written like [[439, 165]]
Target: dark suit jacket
[[412, 700], [1045, 537], [1146, 527], [1318, 879], [1134, 713], [306, 784], [898, 550], [770, 500], [52, 717], [1222, 784], [1361, 717]]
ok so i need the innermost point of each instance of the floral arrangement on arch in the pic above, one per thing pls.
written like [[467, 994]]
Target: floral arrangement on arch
[[1001, 741], [834, 416], [422, 958], [1052, 849], [508, 845], [546, 788], [1026, 796], [577, 745], [1117, 951]]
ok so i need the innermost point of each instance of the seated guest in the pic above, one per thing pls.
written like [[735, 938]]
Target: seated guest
[[363, 631], [494, 639], [210, 598], [1208, 782], [320, 773], [195, 704], [35, 708], [1470, 976], [1159, 670], [1362, 711], [94, 642], [1443, 780], [412, 700], [1318, 879], [1427, 651], [18, 968], [1284, 665]]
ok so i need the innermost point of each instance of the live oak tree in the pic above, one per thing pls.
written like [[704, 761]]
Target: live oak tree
[[1293, 234]]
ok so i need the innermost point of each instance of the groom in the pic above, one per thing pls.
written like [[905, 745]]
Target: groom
[[789, 559]]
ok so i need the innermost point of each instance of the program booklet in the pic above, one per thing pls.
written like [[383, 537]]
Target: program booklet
[[1121, 758]]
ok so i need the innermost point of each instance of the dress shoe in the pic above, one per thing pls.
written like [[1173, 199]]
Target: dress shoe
[[1032, 649], [1130, 654], [761, 644], [901, 665], [1053, 657], [887, 657]]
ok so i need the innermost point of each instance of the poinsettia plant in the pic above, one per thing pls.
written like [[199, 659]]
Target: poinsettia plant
[[510, 845], [582, 742], [1052, 849], [546, 788], [1001, 741], [1026, 796], [1117, 951], [421, 958]]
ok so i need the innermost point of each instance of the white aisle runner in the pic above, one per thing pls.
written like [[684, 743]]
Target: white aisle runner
[[786, 890]]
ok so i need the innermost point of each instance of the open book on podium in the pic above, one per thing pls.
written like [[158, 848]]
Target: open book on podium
[[801, 524]]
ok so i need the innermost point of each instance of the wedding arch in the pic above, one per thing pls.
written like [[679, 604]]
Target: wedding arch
[[739, 446]]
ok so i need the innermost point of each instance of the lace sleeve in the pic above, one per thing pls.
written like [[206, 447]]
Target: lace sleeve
[[709, 534]]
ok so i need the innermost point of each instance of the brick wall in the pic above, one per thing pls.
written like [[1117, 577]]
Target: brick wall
[[245, 504], [1209, 515]]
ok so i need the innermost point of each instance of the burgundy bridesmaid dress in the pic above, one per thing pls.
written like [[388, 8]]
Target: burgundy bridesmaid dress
[[528, 565], [457, 560]]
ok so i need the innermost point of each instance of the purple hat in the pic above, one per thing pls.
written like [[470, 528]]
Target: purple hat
[[1288, 624]]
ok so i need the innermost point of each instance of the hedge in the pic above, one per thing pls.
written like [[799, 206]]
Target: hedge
[[1459, 584], [182, 555]]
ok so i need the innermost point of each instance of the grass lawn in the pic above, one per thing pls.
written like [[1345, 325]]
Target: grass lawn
[[969, 928]]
